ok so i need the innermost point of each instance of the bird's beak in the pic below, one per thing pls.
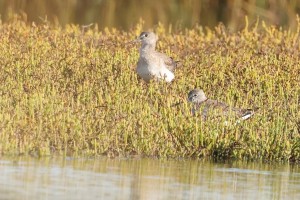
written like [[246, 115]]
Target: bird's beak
[[134, 41]]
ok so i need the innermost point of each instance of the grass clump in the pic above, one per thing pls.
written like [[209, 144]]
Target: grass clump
[[75, 91]]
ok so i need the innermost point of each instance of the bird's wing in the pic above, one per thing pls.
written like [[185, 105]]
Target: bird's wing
[[216, 109], [218, 105], [213, 107], [170, 63]]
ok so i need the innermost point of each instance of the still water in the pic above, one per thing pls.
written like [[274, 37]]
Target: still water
[[68, 178]]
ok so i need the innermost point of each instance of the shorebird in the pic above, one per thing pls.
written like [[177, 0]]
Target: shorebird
[[153, 64], [220, 109]]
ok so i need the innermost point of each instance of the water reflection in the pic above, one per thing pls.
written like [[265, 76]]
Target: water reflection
[[59, 178]]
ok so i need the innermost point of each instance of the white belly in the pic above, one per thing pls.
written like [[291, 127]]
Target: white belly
[[161, 73]]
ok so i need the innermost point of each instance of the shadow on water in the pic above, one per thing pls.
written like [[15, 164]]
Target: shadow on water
[[58, 178]]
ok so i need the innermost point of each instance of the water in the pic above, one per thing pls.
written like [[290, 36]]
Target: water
[[67, 178]]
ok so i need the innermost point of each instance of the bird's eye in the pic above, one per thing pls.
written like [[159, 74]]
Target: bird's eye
[[146, 35]]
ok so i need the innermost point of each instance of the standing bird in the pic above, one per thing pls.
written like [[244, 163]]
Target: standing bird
[[153, 64], [216, 108]]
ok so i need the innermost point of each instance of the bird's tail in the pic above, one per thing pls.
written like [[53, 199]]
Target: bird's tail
[[248, 113]]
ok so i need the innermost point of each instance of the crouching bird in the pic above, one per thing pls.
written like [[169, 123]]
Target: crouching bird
[[209, 107]]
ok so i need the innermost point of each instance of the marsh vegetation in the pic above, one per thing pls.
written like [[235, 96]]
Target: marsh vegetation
[[74, 91]]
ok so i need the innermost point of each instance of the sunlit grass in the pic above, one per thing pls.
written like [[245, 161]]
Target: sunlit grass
[[74, 91]]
